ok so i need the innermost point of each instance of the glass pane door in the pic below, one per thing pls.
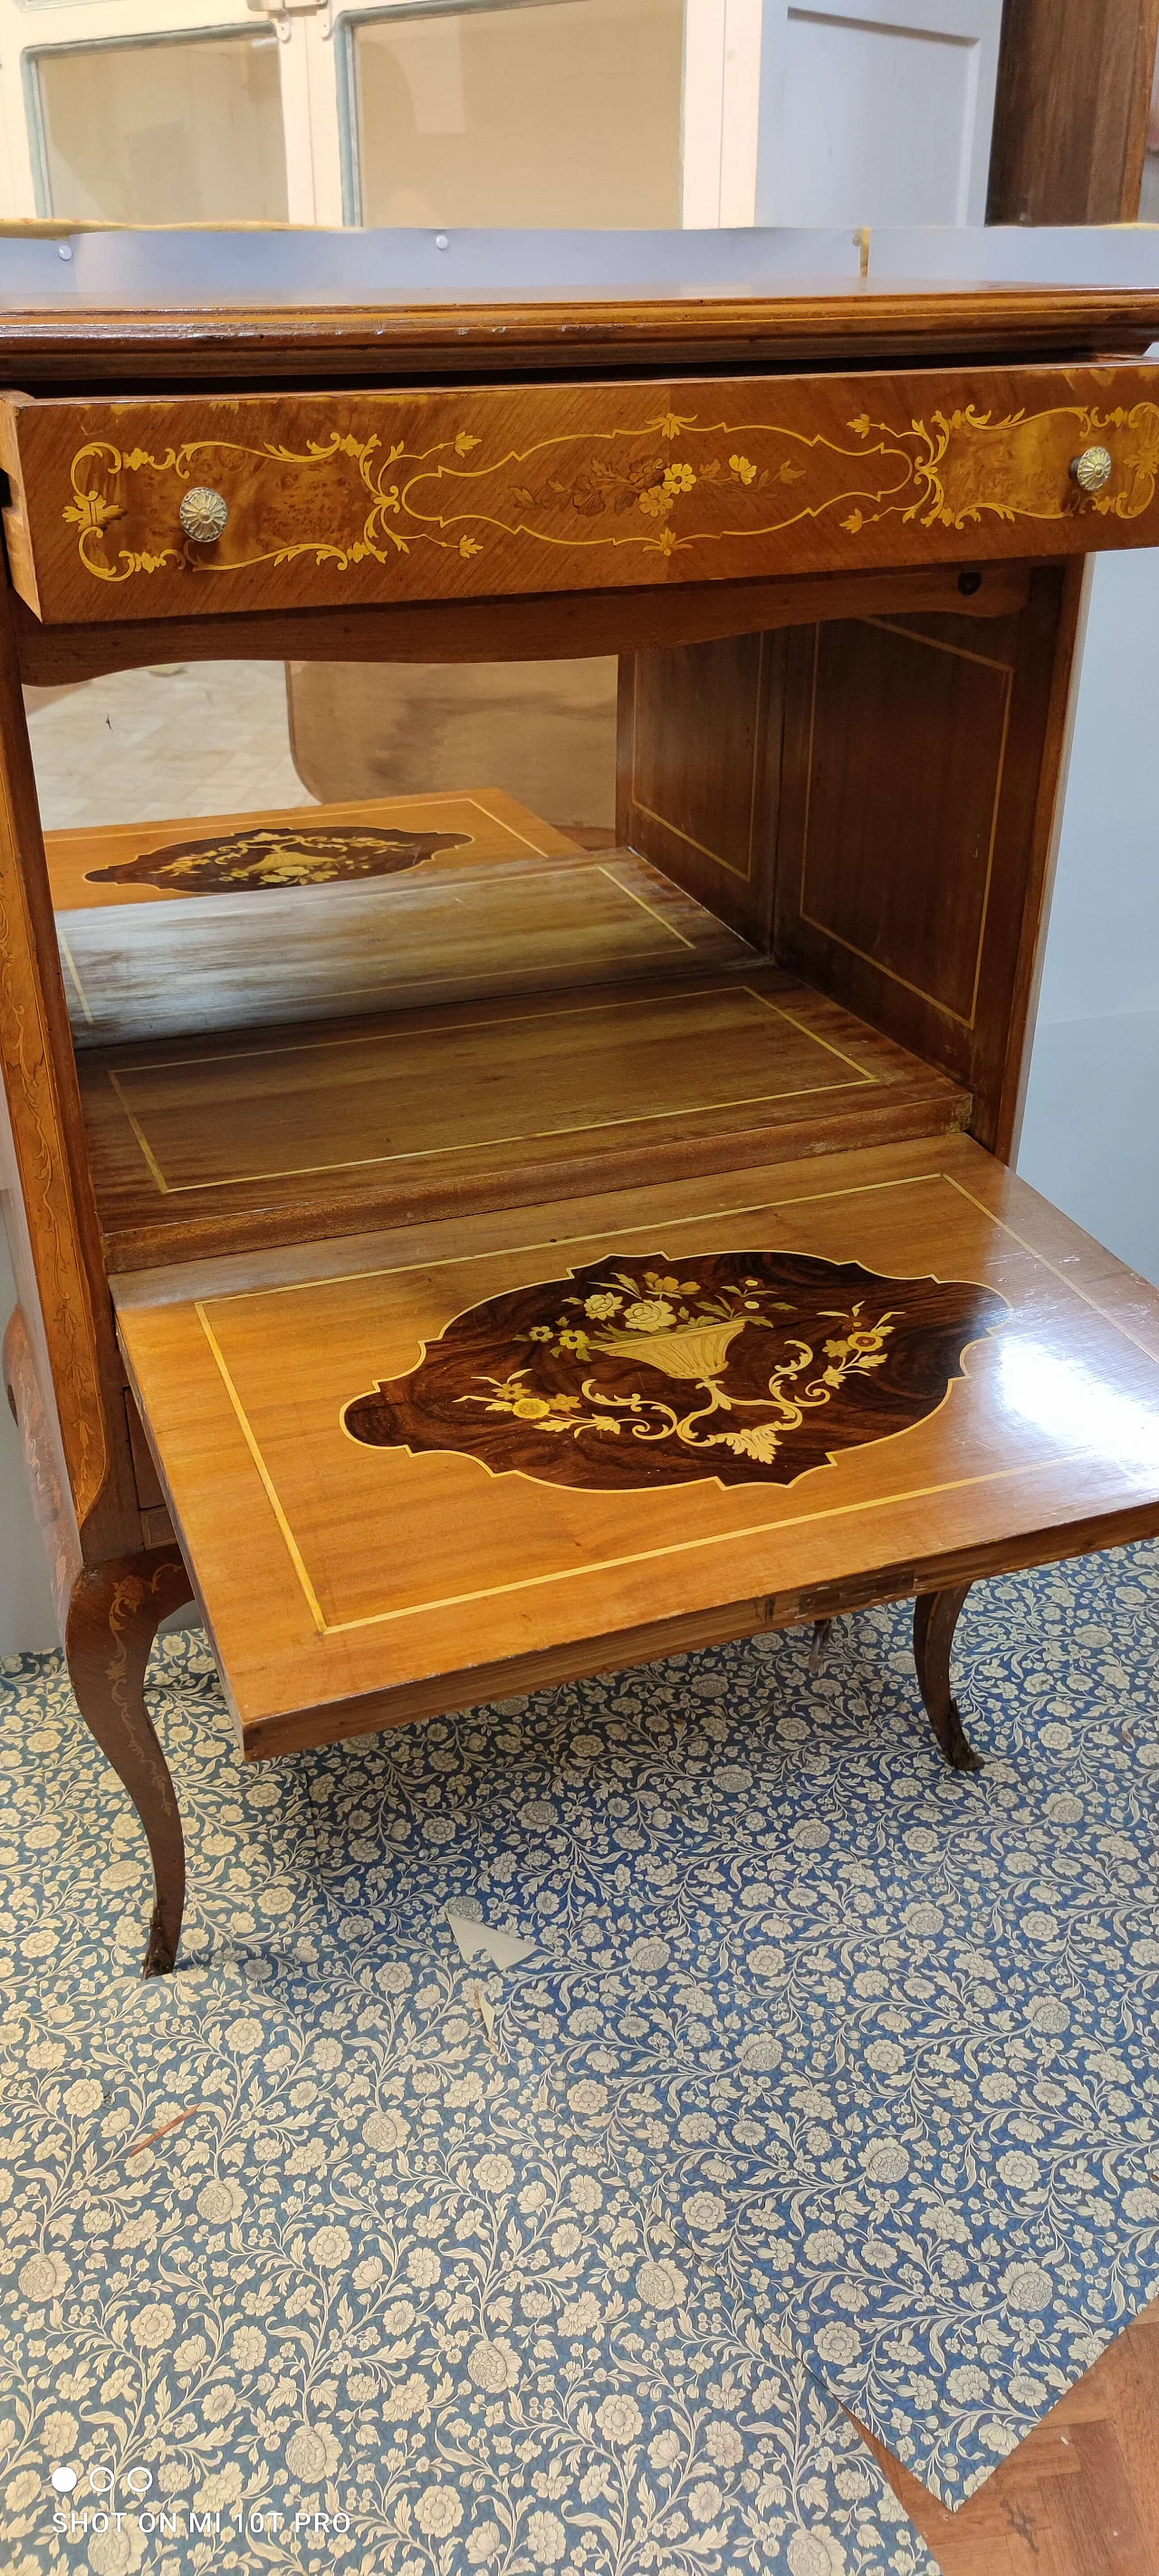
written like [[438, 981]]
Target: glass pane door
[[167, 130], [553, 112]]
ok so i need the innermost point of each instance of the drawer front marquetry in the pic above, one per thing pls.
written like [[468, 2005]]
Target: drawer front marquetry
[[146, 508]]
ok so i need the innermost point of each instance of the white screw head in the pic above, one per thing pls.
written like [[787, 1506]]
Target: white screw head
[[64, 250], [441, 242]]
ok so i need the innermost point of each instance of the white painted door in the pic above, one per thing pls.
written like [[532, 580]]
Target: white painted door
[[876, 111], [501, 112], [143, 111]]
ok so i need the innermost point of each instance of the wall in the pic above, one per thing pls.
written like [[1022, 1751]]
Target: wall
[[1091, 1136]]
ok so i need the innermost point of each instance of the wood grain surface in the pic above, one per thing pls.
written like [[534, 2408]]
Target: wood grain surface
[[121, 863], [490, 491], [205, 1147], [113, 1615], [1070, 114], [919, 774], [863, 320], [549, 627], [348, 1586], [436, 933], [1079, 2497], [699, 754], [879, 796], [44, 1465], [52, 1224]]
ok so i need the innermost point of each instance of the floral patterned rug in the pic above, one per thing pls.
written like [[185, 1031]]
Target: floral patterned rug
[[824, 2078]]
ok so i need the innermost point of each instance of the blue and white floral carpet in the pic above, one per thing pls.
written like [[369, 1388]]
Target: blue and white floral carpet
[[824, 2078]]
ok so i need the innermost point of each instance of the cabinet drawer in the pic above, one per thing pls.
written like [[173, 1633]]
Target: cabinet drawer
[[467, 492], [419, 1468]]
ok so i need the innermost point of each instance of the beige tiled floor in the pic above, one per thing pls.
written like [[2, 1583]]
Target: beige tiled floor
[[138, 746]]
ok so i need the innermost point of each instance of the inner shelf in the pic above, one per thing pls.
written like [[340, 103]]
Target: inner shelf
[[455, 926], [295, 1025], [217, 1143]]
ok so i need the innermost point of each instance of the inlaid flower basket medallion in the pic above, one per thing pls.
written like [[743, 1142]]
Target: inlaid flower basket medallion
[[742, 1367], [277, 854]]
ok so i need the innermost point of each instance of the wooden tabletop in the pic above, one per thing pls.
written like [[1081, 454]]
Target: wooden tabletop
[[460, 924], [416, 1468], [283, 304], [301, 845]]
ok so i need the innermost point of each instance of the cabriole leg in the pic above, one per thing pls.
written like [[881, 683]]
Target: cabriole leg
[[935, 1619], [113, 1617], [822, 1631]]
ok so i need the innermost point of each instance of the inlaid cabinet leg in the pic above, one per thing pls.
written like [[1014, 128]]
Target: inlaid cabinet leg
[[113, 1617], [936, 1616]]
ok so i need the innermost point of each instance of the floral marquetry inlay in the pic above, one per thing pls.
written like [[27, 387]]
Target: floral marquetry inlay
[[744, 1367], [282, 854], [534, 491]]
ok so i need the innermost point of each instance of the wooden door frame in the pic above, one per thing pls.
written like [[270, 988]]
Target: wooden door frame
[[1070, 118]]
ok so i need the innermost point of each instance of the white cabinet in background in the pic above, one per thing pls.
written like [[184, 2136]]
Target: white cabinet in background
[[878, 113]]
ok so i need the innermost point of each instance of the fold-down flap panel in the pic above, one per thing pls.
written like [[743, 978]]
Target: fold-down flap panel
[[412, 1471]]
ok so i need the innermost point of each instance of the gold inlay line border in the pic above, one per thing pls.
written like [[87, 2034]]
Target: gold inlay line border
[[249, 1436], [494, 1020], [850, 945], [566, 863], [559, 1242], [743, 875], [538, 1135], [677, 1547], [71, 964]]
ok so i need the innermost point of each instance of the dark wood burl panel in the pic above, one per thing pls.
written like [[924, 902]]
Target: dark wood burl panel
[[277, 855], [743, 1367]]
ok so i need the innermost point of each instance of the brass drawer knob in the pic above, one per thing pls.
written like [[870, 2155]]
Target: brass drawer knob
[[1093, 468], [203, 513]]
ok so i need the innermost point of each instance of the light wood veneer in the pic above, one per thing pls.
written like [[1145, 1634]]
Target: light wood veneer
[[485, 491], [511, 926], [484, 821], [265, 1139], [348, 1587]]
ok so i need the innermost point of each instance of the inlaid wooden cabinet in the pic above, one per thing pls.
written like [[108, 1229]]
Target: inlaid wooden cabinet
[[465, 1252]]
